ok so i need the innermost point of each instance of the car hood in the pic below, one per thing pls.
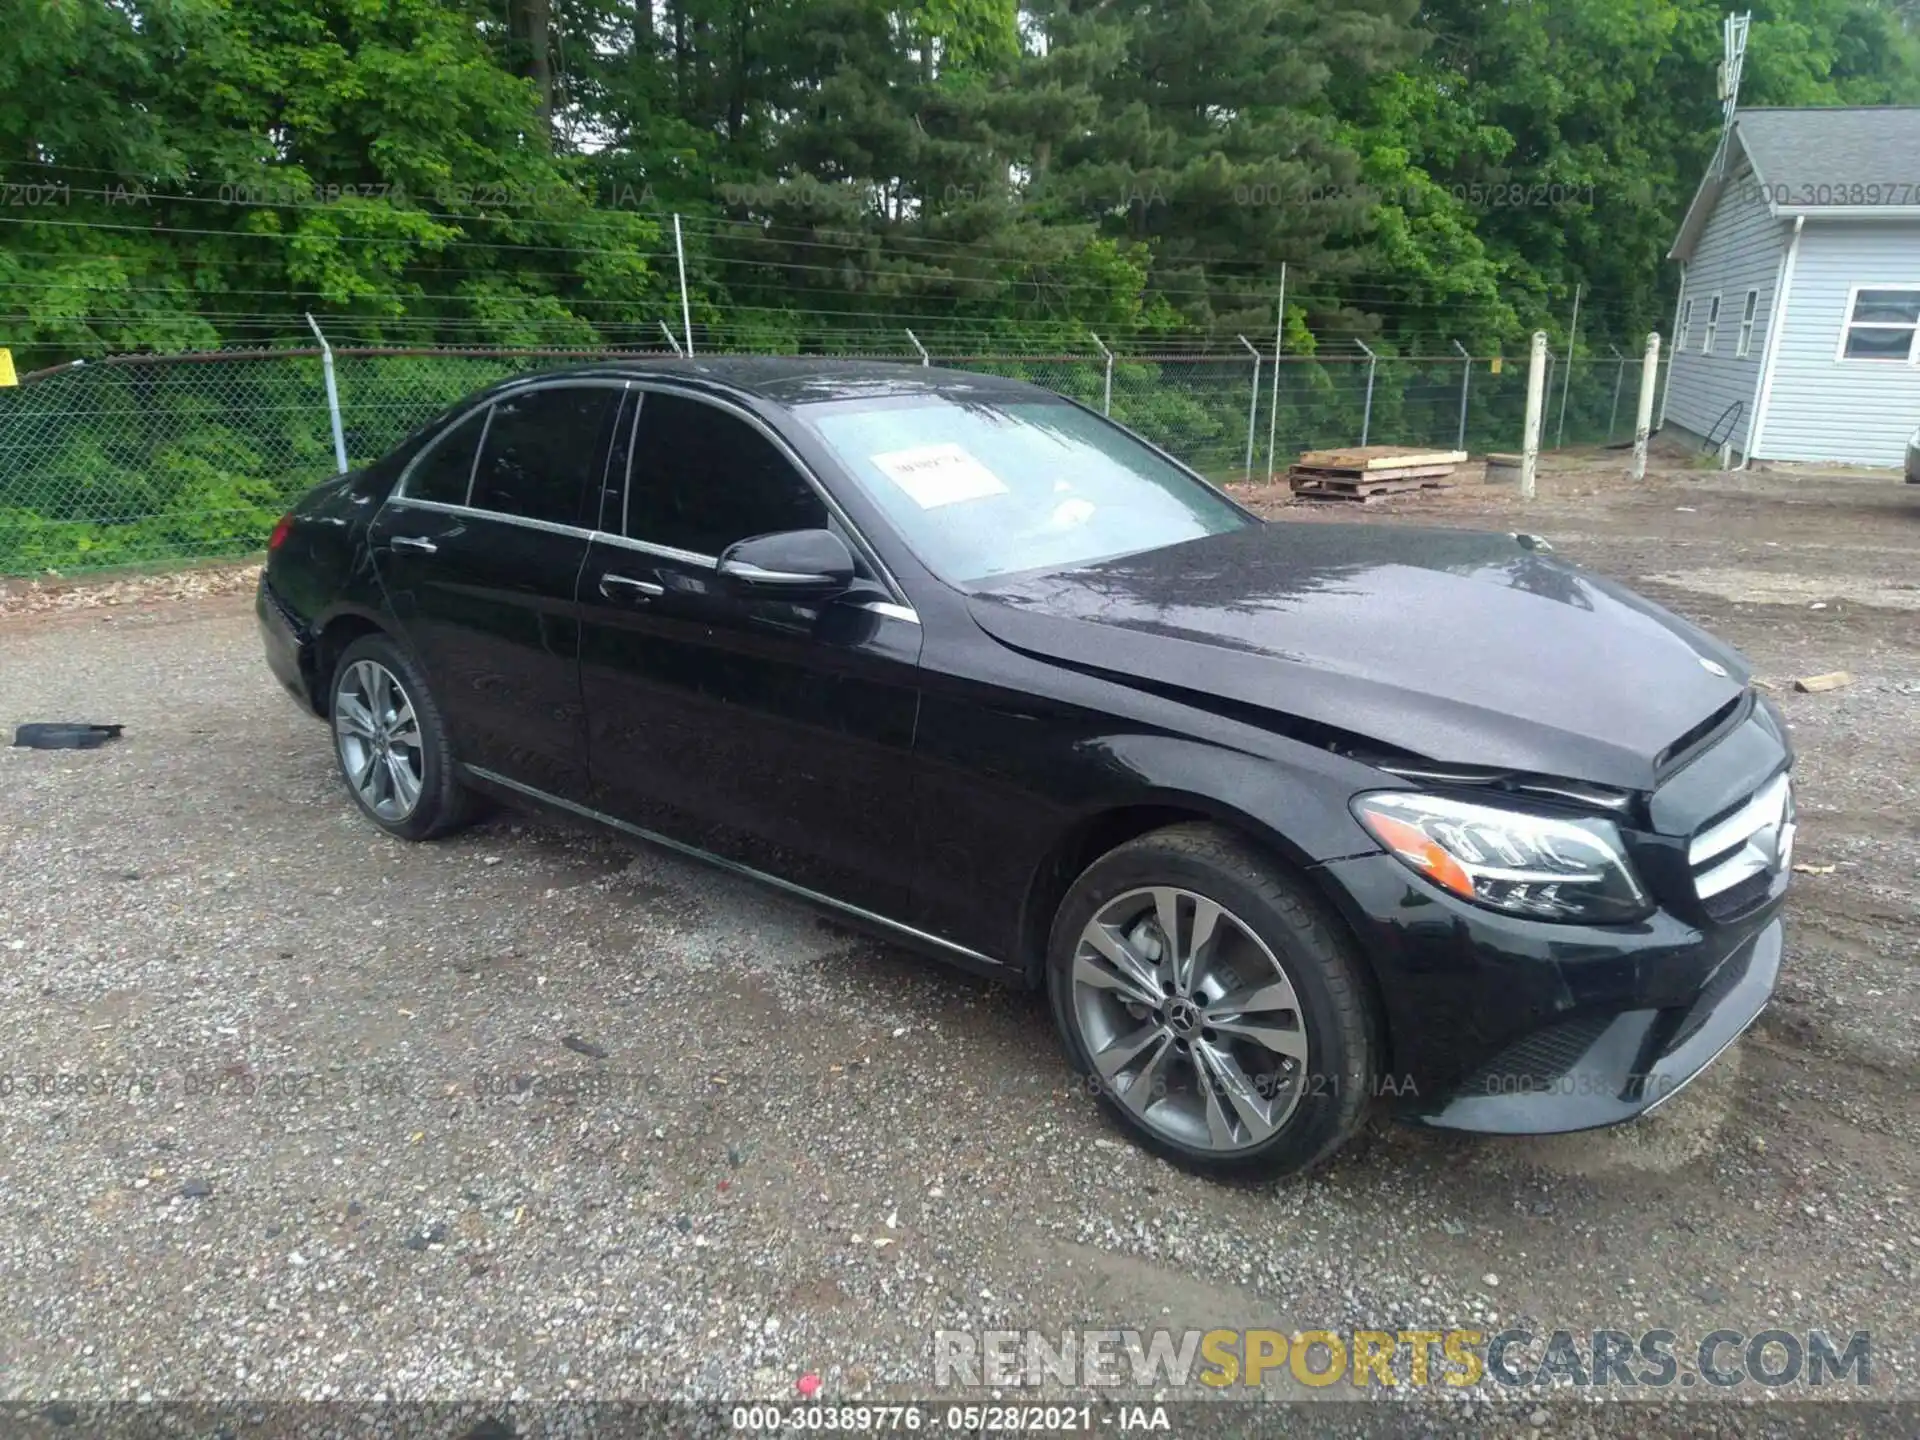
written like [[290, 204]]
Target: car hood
[[1457, 646]]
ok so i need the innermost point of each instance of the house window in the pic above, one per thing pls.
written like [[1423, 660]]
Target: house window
[[1713, 326], [1686, 324], [1746, 323], [1882, 324]]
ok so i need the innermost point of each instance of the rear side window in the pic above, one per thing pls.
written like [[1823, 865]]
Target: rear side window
[[442, 472], [702, 479], [542, 449]]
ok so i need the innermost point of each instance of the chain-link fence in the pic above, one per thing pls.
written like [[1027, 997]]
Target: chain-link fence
[[156, 459]]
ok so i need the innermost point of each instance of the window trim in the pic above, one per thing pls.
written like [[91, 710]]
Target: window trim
[[899, 605], [558, 382], [399, 491], [656, 385], [1711, 331], [1848, 325], [1749, 317]]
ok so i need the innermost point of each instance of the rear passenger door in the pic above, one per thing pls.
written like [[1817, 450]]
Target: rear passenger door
[[479, 551], [773, 733]]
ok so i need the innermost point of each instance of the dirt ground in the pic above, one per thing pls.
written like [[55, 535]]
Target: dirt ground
[[532, 1113]]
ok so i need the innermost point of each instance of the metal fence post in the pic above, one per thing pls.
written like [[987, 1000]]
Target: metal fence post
[[1279, 338], [1619, 374], [925, 359], [1466, 374], [1253, 404], [333, 395], [1366, 417], [686, 308], [1573, 341], [1643, 425], [1536, 397], [1106, 399]]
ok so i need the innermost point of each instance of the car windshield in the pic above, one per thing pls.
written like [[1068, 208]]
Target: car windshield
[[983, 490]]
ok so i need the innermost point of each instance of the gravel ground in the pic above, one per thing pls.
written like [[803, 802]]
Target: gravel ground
[[532, 1113]]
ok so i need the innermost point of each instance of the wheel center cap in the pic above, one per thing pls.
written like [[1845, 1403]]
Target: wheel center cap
[[1183, 1018]]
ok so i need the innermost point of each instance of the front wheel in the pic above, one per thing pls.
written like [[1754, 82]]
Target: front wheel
[[1218, 1015], [391, 743]]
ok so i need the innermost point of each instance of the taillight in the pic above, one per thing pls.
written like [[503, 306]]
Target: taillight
[[280, 532]]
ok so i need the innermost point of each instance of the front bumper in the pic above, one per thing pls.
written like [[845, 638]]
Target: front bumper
[[1504, 1025]]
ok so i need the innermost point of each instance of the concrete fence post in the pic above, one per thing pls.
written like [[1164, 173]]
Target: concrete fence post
[[1643, 422], [1536, 400]]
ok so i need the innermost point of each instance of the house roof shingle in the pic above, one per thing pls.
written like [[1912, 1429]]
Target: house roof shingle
[[1817, 159], [1838, 148]]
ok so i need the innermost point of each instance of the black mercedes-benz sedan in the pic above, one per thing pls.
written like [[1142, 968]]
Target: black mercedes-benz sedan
[[1287, 819]]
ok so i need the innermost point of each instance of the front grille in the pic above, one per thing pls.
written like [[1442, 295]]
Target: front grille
[[1537, 1062], [1735, 856]]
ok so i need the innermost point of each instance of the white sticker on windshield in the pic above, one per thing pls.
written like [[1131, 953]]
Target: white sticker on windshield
[[939, 475]]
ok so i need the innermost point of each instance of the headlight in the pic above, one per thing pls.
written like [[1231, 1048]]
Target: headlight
[[1507, 860]]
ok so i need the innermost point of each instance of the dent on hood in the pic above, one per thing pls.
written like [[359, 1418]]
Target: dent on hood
[[1455, 647]]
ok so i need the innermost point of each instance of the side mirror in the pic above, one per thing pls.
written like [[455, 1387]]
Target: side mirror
[[790, 565]]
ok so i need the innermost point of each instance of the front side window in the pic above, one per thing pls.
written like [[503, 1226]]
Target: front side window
[[1686, 324], [542, 449], [983, 490], [1746, 323], [701, 479], [445, 468], [1883, 325], [1713, 326]]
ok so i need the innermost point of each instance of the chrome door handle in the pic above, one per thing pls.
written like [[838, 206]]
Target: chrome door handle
[[414, 542], [621, 587]]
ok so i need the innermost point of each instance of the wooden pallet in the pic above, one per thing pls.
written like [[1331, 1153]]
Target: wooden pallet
[[1371, 472], [1372, 488], [1367, 458]]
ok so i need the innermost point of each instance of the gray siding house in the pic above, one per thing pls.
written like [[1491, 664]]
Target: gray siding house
[[1797, 332]]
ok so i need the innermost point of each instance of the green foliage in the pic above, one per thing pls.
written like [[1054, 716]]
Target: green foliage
[[1002, 177]]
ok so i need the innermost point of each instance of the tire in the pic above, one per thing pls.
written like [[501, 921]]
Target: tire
[[1313, 1099], [441, 803]]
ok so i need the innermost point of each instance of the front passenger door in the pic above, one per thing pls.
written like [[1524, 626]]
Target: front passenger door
[[773, 733]]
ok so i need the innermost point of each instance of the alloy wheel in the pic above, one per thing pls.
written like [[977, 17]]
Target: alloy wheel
[[379, 738], [1189, 1019]]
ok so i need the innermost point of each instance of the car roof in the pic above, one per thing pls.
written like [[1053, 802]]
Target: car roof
[[790, 381]]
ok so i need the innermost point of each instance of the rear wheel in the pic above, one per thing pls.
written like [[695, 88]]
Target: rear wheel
[[1218, 1016], [391, 743]]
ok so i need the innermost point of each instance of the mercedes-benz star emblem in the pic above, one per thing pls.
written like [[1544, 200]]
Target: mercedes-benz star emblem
[[1712, 667]]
